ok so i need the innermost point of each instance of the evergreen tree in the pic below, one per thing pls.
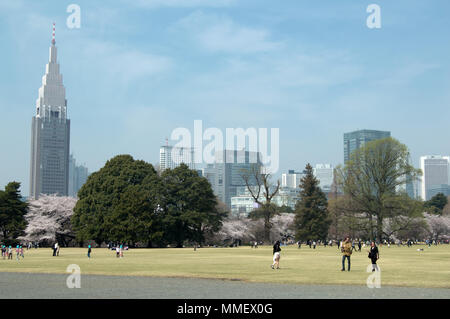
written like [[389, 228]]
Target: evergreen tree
[[436, 204], [126, 201], [119, 203], [189, 205], [12, 213], [311, 214]]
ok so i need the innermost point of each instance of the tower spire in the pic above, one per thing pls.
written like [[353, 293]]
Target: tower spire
[[53, 34]]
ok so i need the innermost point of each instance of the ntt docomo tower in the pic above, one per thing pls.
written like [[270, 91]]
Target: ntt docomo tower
[[50, 133]]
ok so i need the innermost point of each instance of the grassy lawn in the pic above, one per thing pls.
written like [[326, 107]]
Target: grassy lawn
[[400, 266]]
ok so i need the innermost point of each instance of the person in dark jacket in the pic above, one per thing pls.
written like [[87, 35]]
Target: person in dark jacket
[[374, 255], [276, 255]]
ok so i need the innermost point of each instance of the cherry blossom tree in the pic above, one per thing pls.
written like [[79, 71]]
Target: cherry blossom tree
[[283, 227], [49, 220], [234, 229], [439, 226], [249, 230]]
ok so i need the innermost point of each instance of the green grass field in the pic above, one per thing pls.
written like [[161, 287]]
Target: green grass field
[[400, 266]]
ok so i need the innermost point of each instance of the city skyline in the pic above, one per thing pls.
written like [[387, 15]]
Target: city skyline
[[162, 67]]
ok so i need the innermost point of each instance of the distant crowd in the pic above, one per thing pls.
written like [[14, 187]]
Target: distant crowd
[[347, 247], [8, 251]]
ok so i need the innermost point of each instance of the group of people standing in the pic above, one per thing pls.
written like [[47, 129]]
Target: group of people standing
[[7, 252], [347, 247]]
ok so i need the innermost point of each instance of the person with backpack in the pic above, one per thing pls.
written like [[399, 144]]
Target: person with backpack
[[276, 255], [346, 250], [374, 256]]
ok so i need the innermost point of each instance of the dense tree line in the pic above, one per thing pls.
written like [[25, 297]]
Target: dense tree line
[[127, 201]]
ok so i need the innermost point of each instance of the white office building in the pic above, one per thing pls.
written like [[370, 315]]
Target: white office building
[[291, 179], [324, 173], [435, 178], [171, 157]]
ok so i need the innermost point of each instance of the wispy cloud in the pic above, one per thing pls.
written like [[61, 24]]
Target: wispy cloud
[[183, 3], [124, 64], [221, 34], [407, 73]]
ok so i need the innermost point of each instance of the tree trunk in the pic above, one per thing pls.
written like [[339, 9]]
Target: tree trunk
[[372, 235], [379, 227], [267, 228]]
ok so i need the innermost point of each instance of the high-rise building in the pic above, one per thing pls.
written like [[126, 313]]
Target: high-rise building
[[171, 157], [357, 139], [78, 175], [229, 168], [409, 186], [291, 179], [50, 134], [324, 173], [435, 178], [209, 172]]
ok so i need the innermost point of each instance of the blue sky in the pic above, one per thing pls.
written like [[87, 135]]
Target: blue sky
[[136, 70]]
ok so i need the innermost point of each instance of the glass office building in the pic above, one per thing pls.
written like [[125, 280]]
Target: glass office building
[[357, 139]]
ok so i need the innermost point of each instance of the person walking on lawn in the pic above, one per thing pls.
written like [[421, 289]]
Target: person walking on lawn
[[374, 256], [276, 255], [346, 252]]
